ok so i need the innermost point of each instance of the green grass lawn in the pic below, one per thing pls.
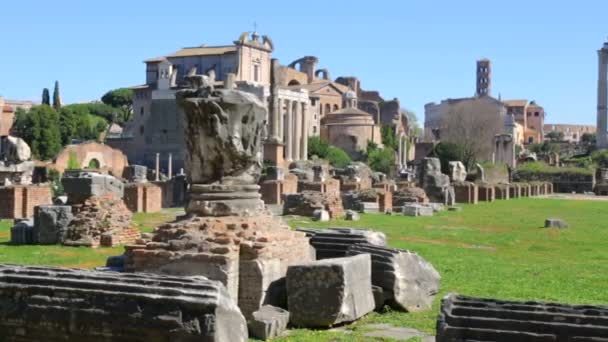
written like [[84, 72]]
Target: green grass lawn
[[490, 250], [80, 257], [501, 250]]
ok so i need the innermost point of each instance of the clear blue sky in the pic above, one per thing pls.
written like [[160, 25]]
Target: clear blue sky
[[418, 51]]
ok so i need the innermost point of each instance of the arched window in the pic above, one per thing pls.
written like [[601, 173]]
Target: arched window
[[93, 164], [327, 108], [293, 83], [336, 107]]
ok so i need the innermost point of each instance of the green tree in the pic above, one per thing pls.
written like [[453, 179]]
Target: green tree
[[56, 97], [317, 147], [120, 98], [46, 98], [381, 159], [588, 138], [447, 152], [555, 136], [388, 136], [41, 131], [337, 157]]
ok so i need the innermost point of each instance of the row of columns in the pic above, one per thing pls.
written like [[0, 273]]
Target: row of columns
[[402, 151], [290, 126], [170, 167]]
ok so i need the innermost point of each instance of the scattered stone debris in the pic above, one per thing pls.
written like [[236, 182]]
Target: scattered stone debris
[[268, 322], [467, 319], [114, 306], [320, 215], [22, 232], [458, 172], [555, 223], [352, 215], [306, 202], [51, 223], [415, 209], [327, 292], [409, 282], [334, 242]]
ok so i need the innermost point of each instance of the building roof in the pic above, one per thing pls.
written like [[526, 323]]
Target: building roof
[[142, 86], [515, 103], [7, 109], [203, 51], [350, 111], [155, 60], [319, 84]]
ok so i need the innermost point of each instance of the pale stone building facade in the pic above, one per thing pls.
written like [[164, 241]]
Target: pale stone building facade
[[572, 133]]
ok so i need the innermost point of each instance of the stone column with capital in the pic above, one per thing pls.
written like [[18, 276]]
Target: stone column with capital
[[305, 126], [170, 166], [288, 131], [602, 97], [297, 128], [157, 167]]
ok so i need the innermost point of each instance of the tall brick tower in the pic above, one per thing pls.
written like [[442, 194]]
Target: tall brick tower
[[484, 77]]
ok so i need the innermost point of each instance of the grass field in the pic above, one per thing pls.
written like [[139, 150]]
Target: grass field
[[491, 250]]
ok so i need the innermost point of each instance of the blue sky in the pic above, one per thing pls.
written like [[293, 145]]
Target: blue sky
[[418, 51]]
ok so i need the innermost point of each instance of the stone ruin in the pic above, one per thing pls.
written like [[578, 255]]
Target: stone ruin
[[475, 319], [227, 234], [16, 166], [57, 304], [436, 185], [100, 216]]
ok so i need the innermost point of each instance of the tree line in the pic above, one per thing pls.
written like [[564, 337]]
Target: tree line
[[51, 125]]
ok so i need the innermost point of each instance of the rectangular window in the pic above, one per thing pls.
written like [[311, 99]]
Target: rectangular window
[[256, 73]]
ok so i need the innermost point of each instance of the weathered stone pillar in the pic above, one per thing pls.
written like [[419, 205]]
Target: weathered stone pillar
[[400, 152], [274, 120], [297, 130], [157, 167], [602, 97], [288, 132], [170, 166], [305, 126]]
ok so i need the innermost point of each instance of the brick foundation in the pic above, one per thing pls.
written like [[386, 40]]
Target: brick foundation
[[18, 201], [273, 190], [143, 197], [486, 193], [466, 192], [329, 186]]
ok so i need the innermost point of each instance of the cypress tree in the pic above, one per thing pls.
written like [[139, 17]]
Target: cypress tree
[[56, 97], [46, 98]]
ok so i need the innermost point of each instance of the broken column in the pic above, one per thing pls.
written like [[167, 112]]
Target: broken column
[[408, 281], [228, 235], [53, 304], [476, 319]]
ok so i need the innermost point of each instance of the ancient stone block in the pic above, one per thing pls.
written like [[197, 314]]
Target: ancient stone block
[[410, 194], [81, 185], [436, 185], [135, 173], [51, 223], [458, 173], [416, 210], [555, 223], [306, 202], [22, 232], [254, 251], [331, 291], [334, 242], [379, 298], [80, 305], [475, 319], [320, 215], [268, 322], [351, 215], [409, 282]]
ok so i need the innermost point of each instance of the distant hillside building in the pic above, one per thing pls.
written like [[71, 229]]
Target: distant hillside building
[[572, 133]]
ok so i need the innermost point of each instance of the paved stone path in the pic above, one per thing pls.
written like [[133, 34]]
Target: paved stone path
[[388, 331]]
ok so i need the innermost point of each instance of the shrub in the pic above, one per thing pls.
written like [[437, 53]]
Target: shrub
[[317, 147], [447, 152], [381, 160], [600, 158], [337, 157]]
